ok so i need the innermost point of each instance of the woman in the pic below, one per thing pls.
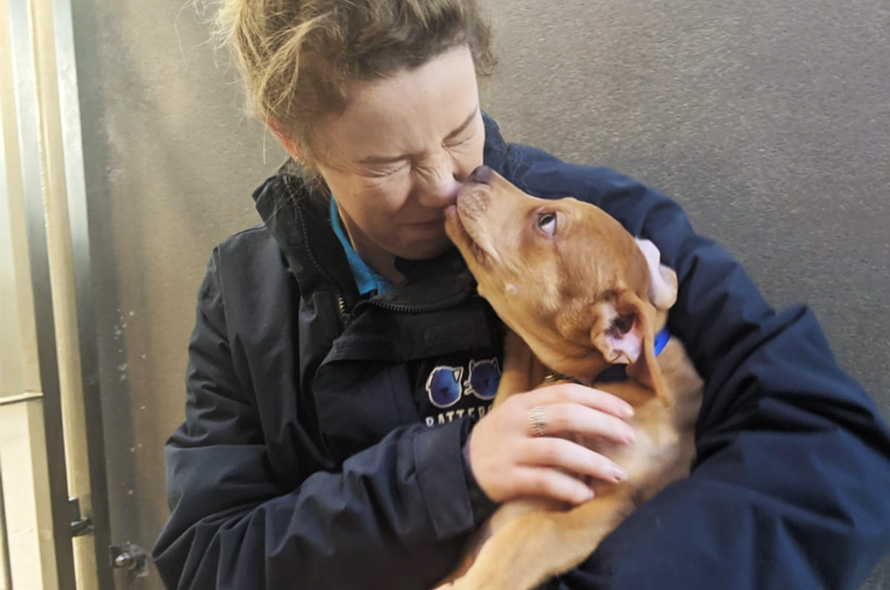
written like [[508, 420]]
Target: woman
[[340, 356]]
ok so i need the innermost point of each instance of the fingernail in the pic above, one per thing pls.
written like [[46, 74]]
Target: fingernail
[[618, 474], [627, 411], [630, 436]]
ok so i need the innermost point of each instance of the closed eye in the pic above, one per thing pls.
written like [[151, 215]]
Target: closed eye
[[458, 142], [454, 144], [383, 171]]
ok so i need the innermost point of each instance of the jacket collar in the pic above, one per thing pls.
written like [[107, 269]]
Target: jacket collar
[[299, 219]]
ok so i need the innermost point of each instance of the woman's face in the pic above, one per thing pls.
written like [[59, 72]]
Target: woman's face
[[395, 158]]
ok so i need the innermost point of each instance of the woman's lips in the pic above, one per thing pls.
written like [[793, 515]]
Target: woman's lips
[[428, 225]]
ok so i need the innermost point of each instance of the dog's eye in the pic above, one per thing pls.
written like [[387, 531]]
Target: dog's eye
[[547, 223]]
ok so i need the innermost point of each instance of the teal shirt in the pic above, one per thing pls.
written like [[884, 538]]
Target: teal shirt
[[367, 279]]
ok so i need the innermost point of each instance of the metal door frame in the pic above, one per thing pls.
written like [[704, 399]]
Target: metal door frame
[[47, 110]]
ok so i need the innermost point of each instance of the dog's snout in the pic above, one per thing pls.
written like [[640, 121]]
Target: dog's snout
[[473, 203], [481, 174]]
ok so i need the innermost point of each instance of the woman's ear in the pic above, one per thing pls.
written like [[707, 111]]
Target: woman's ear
[[290, 145]]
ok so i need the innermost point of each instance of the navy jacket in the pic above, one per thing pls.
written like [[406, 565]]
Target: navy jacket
[[304, 460]]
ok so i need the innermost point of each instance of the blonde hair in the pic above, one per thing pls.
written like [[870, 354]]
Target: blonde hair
[[296, 57]]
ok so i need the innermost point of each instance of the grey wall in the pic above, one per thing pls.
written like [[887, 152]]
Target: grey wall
[[769, 121]]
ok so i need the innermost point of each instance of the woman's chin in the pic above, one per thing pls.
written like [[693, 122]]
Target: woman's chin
[[425, 249]]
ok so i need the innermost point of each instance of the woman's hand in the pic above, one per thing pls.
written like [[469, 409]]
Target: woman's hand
[[509, 459]]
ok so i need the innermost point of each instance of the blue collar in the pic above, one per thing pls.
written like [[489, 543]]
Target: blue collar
[[661, 340]]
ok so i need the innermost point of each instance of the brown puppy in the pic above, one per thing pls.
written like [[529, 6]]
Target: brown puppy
[[581, 294]]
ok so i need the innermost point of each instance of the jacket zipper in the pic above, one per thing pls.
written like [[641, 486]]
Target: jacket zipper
[[410, 309], [341, 298]]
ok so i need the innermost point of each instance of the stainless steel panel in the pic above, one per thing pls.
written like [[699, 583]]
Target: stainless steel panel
[[75, 184], [9, 400], [29, 146], [5, 573]]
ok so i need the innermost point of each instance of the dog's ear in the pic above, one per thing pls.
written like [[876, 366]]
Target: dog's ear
[[662, 280], [618, 332], [623, 333]]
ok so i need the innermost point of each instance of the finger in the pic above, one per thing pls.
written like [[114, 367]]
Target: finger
[[552, 483], [596, 399], [564, 454], [560, 418]]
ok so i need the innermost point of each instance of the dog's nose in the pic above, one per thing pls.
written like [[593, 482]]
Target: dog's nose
[[482, 175]]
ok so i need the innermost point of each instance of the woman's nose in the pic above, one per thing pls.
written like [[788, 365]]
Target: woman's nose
[[441, 187]]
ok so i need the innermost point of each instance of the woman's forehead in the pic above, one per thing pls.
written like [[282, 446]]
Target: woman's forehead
[[415, 110]]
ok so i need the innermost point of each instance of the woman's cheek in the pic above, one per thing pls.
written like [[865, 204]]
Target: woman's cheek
[[390, 192]]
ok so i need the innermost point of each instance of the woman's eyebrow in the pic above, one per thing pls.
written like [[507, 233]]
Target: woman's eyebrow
[[463, 125], [392, 159]]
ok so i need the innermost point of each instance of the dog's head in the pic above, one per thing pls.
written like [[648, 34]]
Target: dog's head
[[565, 276]]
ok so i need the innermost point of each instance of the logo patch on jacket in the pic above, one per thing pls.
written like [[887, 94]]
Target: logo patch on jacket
[[443, 386], [447, 390], [484, 378]]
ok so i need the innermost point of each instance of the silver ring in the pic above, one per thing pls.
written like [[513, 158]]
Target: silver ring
[[536, 421]]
